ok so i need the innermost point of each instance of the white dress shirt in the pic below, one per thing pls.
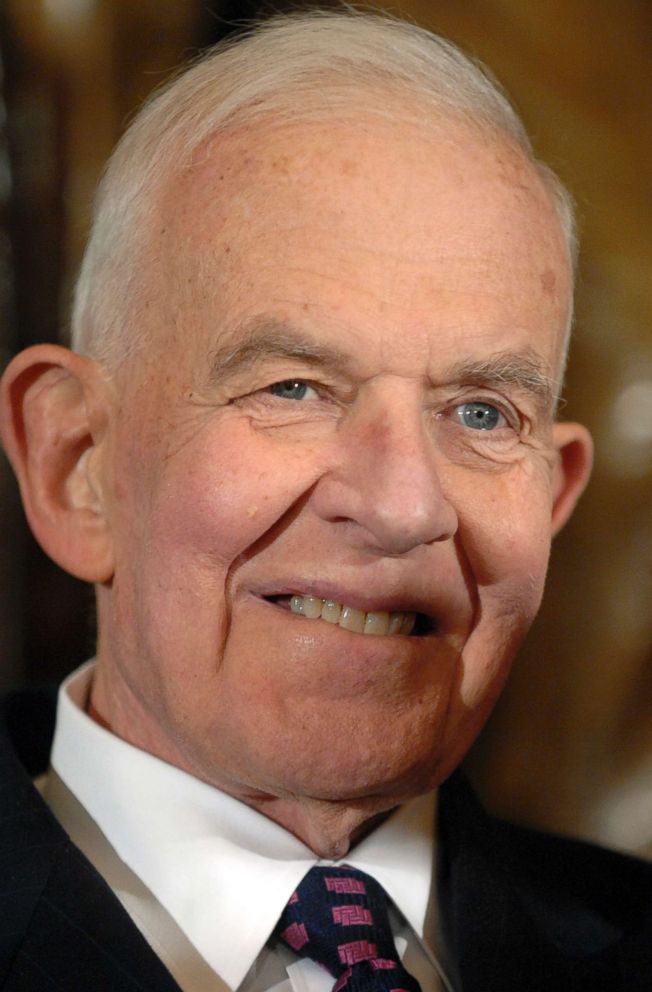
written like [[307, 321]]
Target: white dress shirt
[[224, 872]]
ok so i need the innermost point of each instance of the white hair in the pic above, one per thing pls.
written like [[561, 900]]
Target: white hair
[[308, 66]]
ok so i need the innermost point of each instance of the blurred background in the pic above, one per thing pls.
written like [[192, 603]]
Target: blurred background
[[570, 745]]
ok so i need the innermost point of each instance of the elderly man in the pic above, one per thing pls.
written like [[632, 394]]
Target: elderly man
[[305, 449]]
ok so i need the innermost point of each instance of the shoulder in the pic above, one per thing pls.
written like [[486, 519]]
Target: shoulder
[[468, 829], [61, 927], [576, 912], [31, 842]]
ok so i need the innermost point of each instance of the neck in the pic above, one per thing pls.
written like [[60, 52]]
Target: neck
[[330, 829]]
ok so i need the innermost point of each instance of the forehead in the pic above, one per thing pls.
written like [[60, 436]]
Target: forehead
[[430, 237]]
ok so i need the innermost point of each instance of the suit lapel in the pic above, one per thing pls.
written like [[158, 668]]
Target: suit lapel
[[523, 910], [61, 927], [162, 933], [79, 937]]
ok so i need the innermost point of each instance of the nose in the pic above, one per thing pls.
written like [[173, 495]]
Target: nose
[[385, 482]]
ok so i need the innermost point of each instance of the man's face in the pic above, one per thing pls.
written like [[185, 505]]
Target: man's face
[[354, 329]]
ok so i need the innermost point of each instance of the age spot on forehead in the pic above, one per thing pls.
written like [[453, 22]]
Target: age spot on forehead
[[349, 167], [548, 282]]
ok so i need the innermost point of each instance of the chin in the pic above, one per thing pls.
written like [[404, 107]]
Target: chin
[[381, 779]]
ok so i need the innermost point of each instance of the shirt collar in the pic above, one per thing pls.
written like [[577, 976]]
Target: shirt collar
[[223, 871]]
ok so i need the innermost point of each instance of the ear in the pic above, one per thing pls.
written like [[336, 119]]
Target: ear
[[54, 416], [574, 460]]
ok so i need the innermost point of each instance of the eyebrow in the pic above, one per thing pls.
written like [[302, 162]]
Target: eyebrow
[[265, 339], [524, 370]]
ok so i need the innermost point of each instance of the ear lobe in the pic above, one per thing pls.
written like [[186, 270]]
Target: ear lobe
[[574, 448], [54, 414]]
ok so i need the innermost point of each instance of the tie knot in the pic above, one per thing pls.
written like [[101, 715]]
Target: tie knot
[[338, 917]]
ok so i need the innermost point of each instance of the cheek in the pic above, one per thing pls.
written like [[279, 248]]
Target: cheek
[[505, 525], [214, 496], [505, 534], [504, 543], [180, 529]]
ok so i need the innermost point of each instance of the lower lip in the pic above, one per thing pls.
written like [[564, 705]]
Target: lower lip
[[308, 664], [327, 660]]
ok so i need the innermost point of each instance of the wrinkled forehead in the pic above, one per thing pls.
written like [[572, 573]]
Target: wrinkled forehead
[[381, 211], [441, 153]]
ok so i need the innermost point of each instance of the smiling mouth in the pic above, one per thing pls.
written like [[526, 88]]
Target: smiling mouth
[[378, 622]]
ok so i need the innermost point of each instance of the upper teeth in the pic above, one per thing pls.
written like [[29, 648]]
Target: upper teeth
[[374, 622]]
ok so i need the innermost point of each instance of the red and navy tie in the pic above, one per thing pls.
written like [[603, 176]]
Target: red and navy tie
[[338, 917]]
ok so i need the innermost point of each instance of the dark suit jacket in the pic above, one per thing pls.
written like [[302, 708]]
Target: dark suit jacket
[[522, 911]]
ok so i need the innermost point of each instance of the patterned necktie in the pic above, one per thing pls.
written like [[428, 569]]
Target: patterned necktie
[[338, 917]]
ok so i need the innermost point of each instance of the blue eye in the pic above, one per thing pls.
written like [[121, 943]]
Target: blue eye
[[479, 416], [291, 389]]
